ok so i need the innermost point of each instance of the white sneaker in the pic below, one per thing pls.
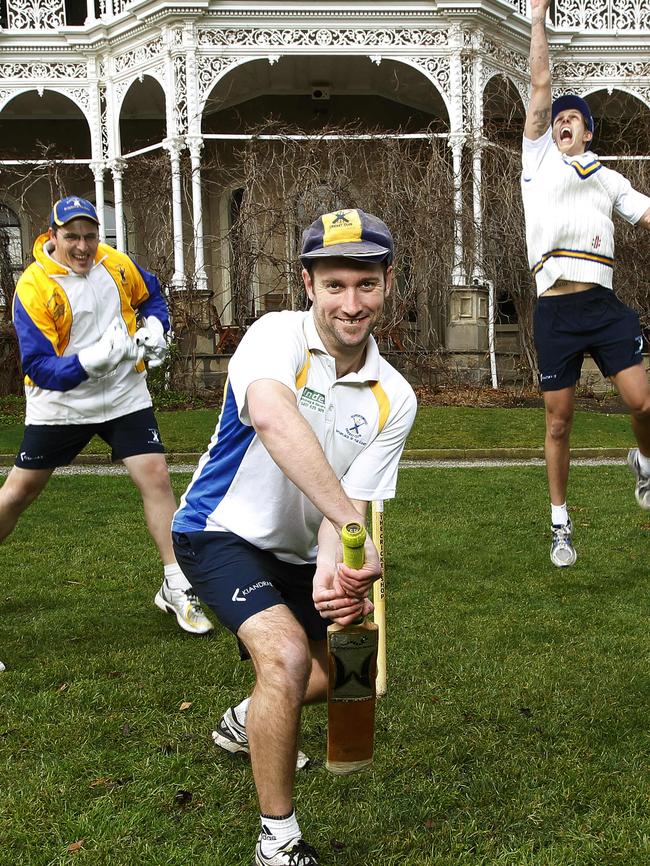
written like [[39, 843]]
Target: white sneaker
[[642, 489], [2, 667], [562, 550], [185, 606], [295, 853], [230, 735]]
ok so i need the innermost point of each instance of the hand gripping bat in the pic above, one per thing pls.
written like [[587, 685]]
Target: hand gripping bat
[[351, 696]]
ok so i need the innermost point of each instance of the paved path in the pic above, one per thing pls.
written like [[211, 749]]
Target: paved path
[[105, 468]]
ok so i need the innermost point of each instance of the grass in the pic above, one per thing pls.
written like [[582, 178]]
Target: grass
[[435, 427], [514, 732]]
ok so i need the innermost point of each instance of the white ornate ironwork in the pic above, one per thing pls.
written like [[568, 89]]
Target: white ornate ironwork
[[614, 70], [35, 14], [138, 56], [349, 37], [42, 71], [603, 15], [180, 96], [103, 112], [210, 69], [79, 95], [436, 68]]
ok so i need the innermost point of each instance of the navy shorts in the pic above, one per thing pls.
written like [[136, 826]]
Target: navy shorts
[[236, 580], [594, 321], [46, 446]]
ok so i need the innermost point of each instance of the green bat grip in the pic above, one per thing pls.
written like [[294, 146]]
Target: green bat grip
[[353, 537]]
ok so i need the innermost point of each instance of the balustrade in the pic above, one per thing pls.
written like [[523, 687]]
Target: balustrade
[[622, 16]]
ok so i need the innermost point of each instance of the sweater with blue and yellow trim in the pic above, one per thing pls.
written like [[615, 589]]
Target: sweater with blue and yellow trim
[[57, 313], [568, 205]]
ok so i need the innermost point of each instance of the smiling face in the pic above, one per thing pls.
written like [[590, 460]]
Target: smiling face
[[570, 132], [348, 298], [74, 245]]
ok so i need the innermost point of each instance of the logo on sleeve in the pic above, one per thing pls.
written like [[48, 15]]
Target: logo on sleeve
[[56, 305]]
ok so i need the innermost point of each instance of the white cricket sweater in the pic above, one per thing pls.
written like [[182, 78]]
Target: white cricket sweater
[[568, 204]]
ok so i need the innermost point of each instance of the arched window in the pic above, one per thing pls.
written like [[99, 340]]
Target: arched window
[[11, 253]]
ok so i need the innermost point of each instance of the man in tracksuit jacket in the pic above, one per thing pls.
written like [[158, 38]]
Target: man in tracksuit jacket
[[87, 318]]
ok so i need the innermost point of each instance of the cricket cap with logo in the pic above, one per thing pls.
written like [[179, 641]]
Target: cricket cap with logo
[[348, 234], [568, 101], [71, 208]]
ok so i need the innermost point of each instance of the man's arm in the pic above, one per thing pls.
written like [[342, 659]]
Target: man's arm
[[644, 222], [538, 117], [291, 443]]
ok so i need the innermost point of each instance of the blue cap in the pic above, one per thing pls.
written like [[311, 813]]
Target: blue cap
[[350, 234], [570, 100], [71, 208]]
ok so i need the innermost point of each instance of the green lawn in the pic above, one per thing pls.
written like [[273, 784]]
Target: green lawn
[[515, 729], [435, 427]]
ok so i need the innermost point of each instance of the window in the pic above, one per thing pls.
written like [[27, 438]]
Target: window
[[11, 253]]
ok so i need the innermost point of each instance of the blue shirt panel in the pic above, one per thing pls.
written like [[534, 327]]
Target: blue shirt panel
[[213, 483]]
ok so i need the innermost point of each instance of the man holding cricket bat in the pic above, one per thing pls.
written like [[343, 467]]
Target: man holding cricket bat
[[312, 428]]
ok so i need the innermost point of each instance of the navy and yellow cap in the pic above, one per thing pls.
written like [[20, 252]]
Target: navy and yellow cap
[[71, 208], [570, 100], [350, 234]]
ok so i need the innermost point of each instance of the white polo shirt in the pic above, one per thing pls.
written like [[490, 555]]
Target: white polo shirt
[[361, 421]]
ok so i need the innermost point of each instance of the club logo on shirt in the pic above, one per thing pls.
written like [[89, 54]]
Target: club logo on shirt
[[358, 421], [312, 400], [354, 431], [122, 275], [155, 436]]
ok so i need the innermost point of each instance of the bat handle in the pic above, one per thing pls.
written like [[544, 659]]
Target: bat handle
[[353, 538]]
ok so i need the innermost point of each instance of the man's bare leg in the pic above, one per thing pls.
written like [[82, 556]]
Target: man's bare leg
[[632, 384], [281, 656], [18, 492], [559, 420]]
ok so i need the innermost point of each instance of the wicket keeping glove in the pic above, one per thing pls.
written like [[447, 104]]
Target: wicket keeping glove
[[114, 346], [151, 338]]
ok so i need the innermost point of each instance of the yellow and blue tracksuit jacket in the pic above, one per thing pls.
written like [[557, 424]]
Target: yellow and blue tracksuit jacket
[[57, 313]]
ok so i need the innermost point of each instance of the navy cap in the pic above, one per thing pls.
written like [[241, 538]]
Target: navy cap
[[570, 100], [71, 208], [350, 234]]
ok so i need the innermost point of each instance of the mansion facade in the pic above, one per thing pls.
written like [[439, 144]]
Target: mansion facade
[[150, 109]]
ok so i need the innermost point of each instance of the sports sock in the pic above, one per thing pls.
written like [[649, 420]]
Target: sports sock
[[277, 830], [644, 464], [175, 577], [559, 515], [241, 710]]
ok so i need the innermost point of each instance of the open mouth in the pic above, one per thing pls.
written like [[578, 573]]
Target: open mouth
[[566, 134]]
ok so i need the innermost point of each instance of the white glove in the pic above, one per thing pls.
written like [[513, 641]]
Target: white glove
[[151, 337], [114, 346]]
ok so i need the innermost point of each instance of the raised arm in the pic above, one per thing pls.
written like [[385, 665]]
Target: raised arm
[[538, 117]]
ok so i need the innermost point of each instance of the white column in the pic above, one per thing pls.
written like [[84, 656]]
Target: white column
[[98, 169], [478, 275], [174, 147], [456, 144], [117, 167], [195, 145], [90, 11]]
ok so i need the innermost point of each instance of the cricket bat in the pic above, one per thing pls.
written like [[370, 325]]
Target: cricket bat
[[379, 594], [351, 695]]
